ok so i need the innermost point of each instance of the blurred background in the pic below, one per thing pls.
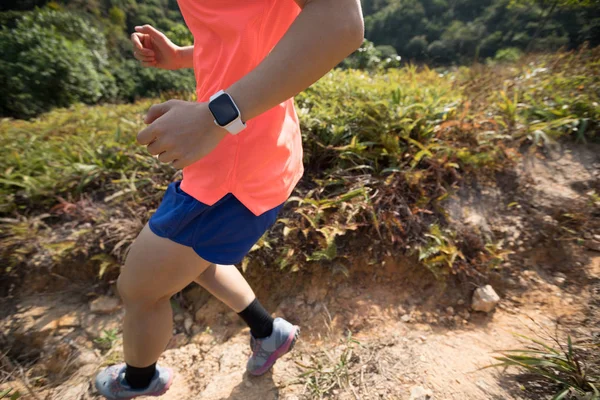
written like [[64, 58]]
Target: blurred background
[[39, 37]]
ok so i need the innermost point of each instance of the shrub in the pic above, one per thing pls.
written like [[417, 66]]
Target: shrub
[[117, 16], [135, 81], [439, 51], [366, 57], [180, 35], [510, 54], [52, 59], [417, 47]]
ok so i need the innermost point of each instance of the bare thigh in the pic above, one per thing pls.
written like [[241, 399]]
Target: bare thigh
[[156, 268]]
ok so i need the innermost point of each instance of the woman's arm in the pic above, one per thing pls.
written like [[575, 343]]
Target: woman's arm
[[186, 57], [325, 32], [154, 49]]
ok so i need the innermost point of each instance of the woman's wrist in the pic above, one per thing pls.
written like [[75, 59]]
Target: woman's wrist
[[184, 57]]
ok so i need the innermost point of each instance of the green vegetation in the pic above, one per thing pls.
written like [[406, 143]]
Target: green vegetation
[[58, 53], [449, 31], [563, 365], [326, 373], [9, 394], [384, 152], [64, 54], [107, 339]]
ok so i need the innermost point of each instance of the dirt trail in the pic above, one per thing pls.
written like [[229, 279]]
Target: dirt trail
[[393, 356], [411, 331]]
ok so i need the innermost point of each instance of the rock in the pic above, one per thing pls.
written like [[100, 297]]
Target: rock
[[196, 330], [406, 318], [199, 316], [104, 305], [59, 359], [592, 245], [85, 357], [420, 393], [559, 280], [187, 325], [485, 299], [177, 341], [401, 311], [523, 282], [78, 392], [450, 310], [70, 320], [95, 325], [460, 302], [178, 318]]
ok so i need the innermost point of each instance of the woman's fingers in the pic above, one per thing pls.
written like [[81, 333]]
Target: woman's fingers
[[166, 157], [144, 58], [136, 40]]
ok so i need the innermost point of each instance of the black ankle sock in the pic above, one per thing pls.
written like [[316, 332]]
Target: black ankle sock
[[139, 378], [258, 319]]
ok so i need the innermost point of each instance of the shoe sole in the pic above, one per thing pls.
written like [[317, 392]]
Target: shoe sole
[[157, 394], [280, 352]]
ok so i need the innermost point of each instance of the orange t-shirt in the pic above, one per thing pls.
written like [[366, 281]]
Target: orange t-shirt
[[261, 165]]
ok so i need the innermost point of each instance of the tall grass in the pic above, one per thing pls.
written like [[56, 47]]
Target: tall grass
[[384, 151]]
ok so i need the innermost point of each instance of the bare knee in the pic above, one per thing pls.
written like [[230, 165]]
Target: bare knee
[[134, 294]]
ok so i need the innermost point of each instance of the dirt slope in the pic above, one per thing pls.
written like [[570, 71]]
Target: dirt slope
[[408, 330]]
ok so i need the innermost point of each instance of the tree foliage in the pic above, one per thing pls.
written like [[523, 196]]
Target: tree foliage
[[444, 31], [58, 52]]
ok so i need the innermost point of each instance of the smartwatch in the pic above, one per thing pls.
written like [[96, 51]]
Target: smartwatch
[[226, 113]]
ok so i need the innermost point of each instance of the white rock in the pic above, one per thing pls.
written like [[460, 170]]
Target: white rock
[[485, 299], [420, 393], [104, 305], [187, 324], [178, 317]]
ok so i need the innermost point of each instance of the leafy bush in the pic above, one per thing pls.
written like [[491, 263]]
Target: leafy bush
[[463, 30], [52, 59], [559, 364], [371, 57], [384, 150], [439, 52], [417, 47], [511, 54], [135, 81], [180, 35]]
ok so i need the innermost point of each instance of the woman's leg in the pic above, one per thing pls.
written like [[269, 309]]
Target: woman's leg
[[227, 284], [155, 269]]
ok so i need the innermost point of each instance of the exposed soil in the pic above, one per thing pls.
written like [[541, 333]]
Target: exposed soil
[[411, 329]]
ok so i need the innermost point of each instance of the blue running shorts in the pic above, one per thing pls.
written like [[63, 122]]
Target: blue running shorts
[[221, 234]]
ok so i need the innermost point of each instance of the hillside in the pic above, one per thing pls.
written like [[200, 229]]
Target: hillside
[[58, 53], [421, 185]]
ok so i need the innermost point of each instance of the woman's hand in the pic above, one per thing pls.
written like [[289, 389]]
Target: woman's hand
[[153, 49], [180, 132]]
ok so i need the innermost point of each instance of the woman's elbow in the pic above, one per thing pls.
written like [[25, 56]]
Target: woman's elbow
[[354, 31]]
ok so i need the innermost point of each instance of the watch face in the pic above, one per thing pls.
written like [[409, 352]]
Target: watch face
[[223, 110]]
